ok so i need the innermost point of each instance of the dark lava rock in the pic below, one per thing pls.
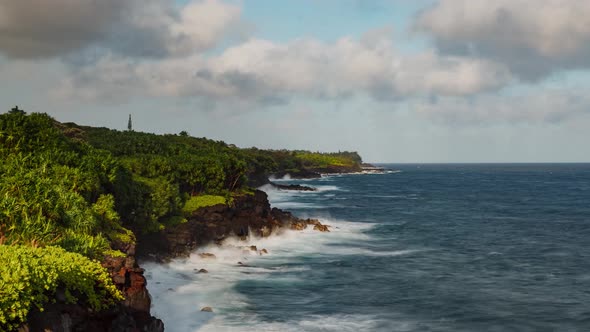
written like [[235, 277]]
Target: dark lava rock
[[295, 187], [248, 215]]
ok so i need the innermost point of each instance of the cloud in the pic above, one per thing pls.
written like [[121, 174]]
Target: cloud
[[533, 37], [263, 71], [537, 106], [136, 28]]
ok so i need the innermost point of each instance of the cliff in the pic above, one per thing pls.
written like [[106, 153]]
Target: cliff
[[247, 215]]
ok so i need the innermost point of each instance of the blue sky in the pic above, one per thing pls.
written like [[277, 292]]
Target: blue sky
[[398, 81]]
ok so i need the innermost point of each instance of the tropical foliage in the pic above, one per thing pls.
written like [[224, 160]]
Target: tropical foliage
[[30, 277]]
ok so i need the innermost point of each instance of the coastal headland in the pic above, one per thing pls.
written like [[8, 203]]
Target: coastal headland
[[116, 198]]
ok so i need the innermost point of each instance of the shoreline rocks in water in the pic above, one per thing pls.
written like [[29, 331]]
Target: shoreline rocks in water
[[302, 224], [294, 187], [370, 168]]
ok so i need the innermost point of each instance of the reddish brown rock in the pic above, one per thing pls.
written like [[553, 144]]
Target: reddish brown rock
[[133, 314], [298, 226], [207, 255], [321, 228]]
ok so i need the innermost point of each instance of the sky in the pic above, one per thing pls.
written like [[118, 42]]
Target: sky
[[402, 81]]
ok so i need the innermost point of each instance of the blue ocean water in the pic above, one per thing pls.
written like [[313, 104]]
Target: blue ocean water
[[425, 248]]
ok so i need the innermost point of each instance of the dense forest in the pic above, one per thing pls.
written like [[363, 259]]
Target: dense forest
[[70, 195]]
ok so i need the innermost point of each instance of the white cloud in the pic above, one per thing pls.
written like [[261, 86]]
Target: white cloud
[[533, 37], [264, 71], [537, 106], [145, 28]]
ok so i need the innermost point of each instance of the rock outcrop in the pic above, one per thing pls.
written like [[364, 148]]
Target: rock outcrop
[[294, 187], [301, 224], [248, 215]]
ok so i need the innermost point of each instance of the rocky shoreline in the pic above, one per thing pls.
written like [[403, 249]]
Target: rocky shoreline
[[248, 215]]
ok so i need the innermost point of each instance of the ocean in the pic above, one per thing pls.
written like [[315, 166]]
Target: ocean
[[453, 247]]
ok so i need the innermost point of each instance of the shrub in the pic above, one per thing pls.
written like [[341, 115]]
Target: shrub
[[29, 278]]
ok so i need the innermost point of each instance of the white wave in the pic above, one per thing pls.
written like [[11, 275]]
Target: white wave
[[179, 291], [285, 177], [325, 188], [321, 188], [323, 323], [286, 199]]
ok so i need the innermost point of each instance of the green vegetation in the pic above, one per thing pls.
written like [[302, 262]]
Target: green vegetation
[[197, 202], [316, 160], [83, 188], [30, 277], [53, 190], [90, 190]]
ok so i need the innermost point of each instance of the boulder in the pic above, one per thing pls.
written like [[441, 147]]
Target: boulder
[[207, 309], [298, 225], [321, 228]]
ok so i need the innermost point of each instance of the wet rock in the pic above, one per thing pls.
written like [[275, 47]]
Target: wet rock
[[203, 271], [298, 226], [207, 309], [253, 248], [265, 231], [207, 255], [321, 228], [292, 187], [263, 251]]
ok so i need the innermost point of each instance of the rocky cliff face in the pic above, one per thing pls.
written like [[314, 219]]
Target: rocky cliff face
[[249, 214]]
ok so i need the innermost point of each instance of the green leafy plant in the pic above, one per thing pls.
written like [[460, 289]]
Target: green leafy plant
[[30, 277], [197, 202]]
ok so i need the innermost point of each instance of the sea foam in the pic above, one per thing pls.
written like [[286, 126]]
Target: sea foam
[[179, 291]]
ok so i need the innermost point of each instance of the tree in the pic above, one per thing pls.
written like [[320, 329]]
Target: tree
[[129, 124], [15, 109]]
